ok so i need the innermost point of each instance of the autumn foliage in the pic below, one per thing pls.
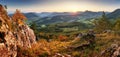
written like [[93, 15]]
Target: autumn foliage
[[18, 17]]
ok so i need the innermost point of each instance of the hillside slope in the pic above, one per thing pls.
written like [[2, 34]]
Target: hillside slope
[[115, 14]]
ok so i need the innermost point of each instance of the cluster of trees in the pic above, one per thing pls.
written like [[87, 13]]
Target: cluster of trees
[[104, 23]]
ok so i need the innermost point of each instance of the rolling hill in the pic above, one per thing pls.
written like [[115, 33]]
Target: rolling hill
[[59, 17], [115, 14], [68, 17]]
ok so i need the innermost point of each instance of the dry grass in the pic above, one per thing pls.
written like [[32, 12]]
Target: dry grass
[[48, 49]]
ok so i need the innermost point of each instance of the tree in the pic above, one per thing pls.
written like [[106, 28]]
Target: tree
[[18, 17], [102, 24], [117, 25], [33, 26]]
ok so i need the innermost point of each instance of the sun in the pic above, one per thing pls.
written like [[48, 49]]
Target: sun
[[73, 8]]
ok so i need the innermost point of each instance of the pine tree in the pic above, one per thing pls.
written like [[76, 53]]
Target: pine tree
[[102, 24]]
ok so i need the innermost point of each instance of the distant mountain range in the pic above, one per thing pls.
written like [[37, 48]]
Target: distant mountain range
[[114, 15], [68, 17], [59, 17], [31, 15]]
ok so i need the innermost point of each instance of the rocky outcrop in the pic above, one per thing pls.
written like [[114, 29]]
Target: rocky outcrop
[[112, 51], [25, 37], [14, 32]]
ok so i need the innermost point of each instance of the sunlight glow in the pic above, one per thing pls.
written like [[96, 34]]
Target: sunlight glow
[[64, 7], [73, 8]]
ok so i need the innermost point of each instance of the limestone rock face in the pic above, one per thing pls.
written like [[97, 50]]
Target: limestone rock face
[[13, 33], [25, 36]]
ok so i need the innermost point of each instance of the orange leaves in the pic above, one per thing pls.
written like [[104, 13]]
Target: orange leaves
[[62, 37], [18, 17]]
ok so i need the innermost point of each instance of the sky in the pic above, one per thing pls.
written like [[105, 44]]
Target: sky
[[61, 5]]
